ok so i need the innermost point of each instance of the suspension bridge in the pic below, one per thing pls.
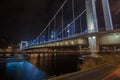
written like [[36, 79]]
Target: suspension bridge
[[75, 26]]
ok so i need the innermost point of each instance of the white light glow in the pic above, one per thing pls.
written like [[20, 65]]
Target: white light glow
[[68, 25], [52, 36], [90, 38], [91, 26], [68, 31], [94, 37]]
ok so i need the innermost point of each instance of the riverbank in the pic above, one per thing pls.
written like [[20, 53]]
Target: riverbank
[[91, 64]]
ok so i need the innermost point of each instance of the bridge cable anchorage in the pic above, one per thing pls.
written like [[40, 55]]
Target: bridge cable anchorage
[[53, 17], [71, 22]]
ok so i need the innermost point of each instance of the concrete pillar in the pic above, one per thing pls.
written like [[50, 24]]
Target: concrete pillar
[[92, 23], [93, 44], [107, 15]]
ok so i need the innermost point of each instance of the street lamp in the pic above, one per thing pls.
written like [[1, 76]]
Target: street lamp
[[68, 32]]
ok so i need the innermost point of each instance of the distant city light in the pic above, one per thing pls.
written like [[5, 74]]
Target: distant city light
[[9, 47]]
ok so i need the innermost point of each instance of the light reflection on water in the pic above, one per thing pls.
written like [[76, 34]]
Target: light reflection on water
[[43, 66], [22, 71], [55, 64]]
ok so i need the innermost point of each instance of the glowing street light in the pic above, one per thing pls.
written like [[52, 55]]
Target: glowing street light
[[68, 31]]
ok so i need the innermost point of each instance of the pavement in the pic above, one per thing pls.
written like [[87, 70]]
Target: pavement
[[104, 72]]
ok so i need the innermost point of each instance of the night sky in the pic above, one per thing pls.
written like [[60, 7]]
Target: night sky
[[25, 19]]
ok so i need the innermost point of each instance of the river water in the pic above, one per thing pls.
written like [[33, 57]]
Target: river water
[[40, 66]]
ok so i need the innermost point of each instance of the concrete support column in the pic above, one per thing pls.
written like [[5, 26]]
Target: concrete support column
[[92, 23], [107, 15], [93, 44]]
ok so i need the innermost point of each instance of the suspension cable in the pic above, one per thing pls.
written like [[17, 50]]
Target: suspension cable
[[71, 22], [53, 17]]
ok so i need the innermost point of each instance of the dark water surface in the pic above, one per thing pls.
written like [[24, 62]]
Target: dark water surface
[[20, 71], [39, 67]]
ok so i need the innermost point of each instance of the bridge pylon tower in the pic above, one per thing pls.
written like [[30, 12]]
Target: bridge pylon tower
[[92, 23]]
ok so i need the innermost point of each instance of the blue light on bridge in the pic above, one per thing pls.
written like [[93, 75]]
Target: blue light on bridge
[[30, 42]]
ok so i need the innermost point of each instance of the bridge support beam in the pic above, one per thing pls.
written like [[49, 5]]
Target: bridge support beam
[[107, 15], [93, 44], [92, 22]]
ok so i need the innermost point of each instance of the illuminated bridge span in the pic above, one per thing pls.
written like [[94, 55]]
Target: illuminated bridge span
[[76, 25]]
